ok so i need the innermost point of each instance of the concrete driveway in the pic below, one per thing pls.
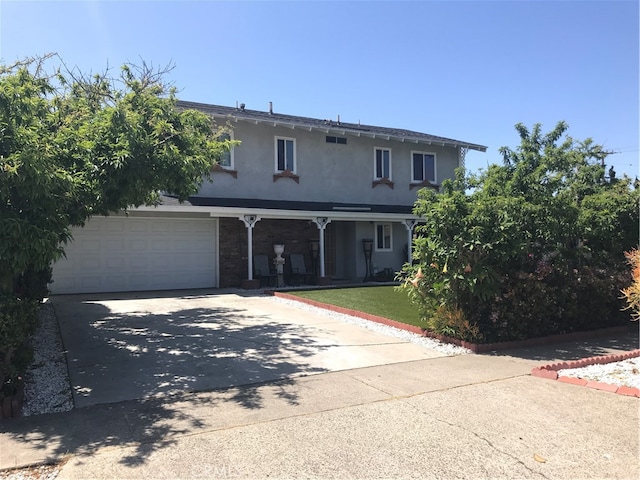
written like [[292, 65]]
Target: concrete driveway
[[462, 417], [131, 346]]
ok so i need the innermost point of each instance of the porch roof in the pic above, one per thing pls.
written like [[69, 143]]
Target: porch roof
[[297, 205], [233, 207]]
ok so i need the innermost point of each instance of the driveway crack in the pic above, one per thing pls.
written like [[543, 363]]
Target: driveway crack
[[484, 439], [488, 442]]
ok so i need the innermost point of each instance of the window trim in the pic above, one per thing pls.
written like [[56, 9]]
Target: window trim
[[433, 180], [375, 163], [275, 155], [390, 247]]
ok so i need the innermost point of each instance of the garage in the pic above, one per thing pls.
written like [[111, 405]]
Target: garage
[[129, 253]]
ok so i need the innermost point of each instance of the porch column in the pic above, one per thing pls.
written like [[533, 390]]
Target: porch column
[[321, 223], [249, 222], [409, 223]]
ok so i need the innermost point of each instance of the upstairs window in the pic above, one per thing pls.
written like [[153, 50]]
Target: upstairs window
[[423, 167], [338, 140], [285, 154], [226, 160], [383, 237], [382, 163]]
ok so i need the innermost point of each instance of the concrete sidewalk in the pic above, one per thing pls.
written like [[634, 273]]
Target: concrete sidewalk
[[472, 416]]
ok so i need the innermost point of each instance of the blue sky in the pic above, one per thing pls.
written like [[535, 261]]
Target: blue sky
[[464, 70]]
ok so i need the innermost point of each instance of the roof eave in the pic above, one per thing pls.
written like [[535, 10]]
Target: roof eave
[[328, 127], [341, 130]]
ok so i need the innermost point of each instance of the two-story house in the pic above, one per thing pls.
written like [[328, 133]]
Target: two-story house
[[338, 194]]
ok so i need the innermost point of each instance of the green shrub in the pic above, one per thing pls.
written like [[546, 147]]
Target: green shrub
[[452, 322], [550, 301], [631, 293], [18, 321], [530, 248]]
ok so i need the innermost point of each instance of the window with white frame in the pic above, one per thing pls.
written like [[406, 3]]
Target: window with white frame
[[285, 154], [423, 166], [381, 163], [383, 237], [226, 160]]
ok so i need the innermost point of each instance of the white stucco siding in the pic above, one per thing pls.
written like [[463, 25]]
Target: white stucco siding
[[328, 172], [393, 259]]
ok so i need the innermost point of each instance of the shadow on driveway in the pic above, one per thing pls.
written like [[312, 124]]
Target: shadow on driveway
[[135, 363], [129, 349]]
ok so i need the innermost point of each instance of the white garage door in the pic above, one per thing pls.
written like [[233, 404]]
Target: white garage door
[[118, 254]]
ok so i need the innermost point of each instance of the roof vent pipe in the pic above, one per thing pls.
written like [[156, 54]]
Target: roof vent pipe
[[270, 108], [338, 119]]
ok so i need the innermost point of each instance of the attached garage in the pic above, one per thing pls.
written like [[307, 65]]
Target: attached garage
[[132, 253]]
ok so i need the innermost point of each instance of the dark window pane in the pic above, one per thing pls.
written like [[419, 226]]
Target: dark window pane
[[430, 167], [418, 172], [341, 140], [281, 164]]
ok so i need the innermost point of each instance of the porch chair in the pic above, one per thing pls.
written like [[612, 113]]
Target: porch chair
[[262, 271], [299, 273]]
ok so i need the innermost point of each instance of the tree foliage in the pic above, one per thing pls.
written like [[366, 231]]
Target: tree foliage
[[530, 247], [73, 146]]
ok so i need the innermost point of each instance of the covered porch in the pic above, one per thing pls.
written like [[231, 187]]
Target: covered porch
[[313, 250]]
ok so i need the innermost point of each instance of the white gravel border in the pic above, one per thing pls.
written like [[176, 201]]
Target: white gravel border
[[426, 342], [625, 373], [47, 388]]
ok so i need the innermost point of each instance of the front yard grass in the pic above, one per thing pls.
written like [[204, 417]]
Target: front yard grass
[[384, 301]]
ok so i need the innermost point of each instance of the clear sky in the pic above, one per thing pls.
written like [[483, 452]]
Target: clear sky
[[464, 70]]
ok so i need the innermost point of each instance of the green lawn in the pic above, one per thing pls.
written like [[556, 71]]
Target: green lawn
[[384, 301]]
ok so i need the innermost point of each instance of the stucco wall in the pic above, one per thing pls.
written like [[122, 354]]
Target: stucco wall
[[379, 259], [328, 172]]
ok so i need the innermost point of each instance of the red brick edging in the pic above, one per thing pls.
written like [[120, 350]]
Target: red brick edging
[[551, 372], [474, 347], [547, 371]]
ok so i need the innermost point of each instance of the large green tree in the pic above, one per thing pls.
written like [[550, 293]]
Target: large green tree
[[530, 247], [73, 146]]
